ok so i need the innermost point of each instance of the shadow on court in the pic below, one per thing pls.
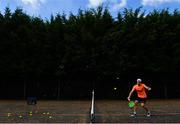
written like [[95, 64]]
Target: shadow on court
[[106, 111]]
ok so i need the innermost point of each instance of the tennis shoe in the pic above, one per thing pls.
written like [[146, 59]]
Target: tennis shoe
[[148, 114], [133, 115]]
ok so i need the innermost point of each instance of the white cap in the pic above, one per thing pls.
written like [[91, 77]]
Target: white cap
[[139, 80]]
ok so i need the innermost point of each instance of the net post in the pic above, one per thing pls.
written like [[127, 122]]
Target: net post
[[92, 108]]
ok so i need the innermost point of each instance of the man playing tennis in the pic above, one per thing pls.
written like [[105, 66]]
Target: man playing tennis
[[140, 88]]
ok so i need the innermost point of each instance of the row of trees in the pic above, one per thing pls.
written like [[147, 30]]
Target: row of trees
[[91, 46]]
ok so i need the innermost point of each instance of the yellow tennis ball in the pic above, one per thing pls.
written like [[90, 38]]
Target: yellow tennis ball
[[9, 114]]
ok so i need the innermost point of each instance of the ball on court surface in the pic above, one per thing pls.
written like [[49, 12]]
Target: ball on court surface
[[9, 114], [115, 88]]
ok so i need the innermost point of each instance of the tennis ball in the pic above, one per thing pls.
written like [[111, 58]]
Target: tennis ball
[[30, 114], [115, 88], [48, 113], [44, 113], [50, 117], [20, 116], [9, 114]]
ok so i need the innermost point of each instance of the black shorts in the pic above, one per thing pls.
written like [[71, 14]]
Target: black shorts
[[141, 100]]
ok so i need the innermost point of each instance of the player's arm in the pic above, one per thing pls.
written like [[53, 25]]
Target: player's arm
[[130, 94], [148, 88]]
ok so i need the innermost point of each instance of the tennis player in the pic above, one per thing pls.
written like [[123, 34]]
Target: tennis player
[[140, 88]]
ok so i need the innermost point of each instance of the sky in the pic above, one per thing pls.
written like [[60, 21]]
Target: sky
[[45, 8]]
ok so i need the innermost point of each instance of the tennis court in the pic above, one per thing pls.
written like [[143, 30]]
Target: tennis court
[[45, 112], [163, 111], [79, 111]]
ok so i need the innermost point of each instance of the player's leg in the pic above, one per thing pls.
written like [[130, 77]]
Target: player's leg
[[145, 107], [135, 108]]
